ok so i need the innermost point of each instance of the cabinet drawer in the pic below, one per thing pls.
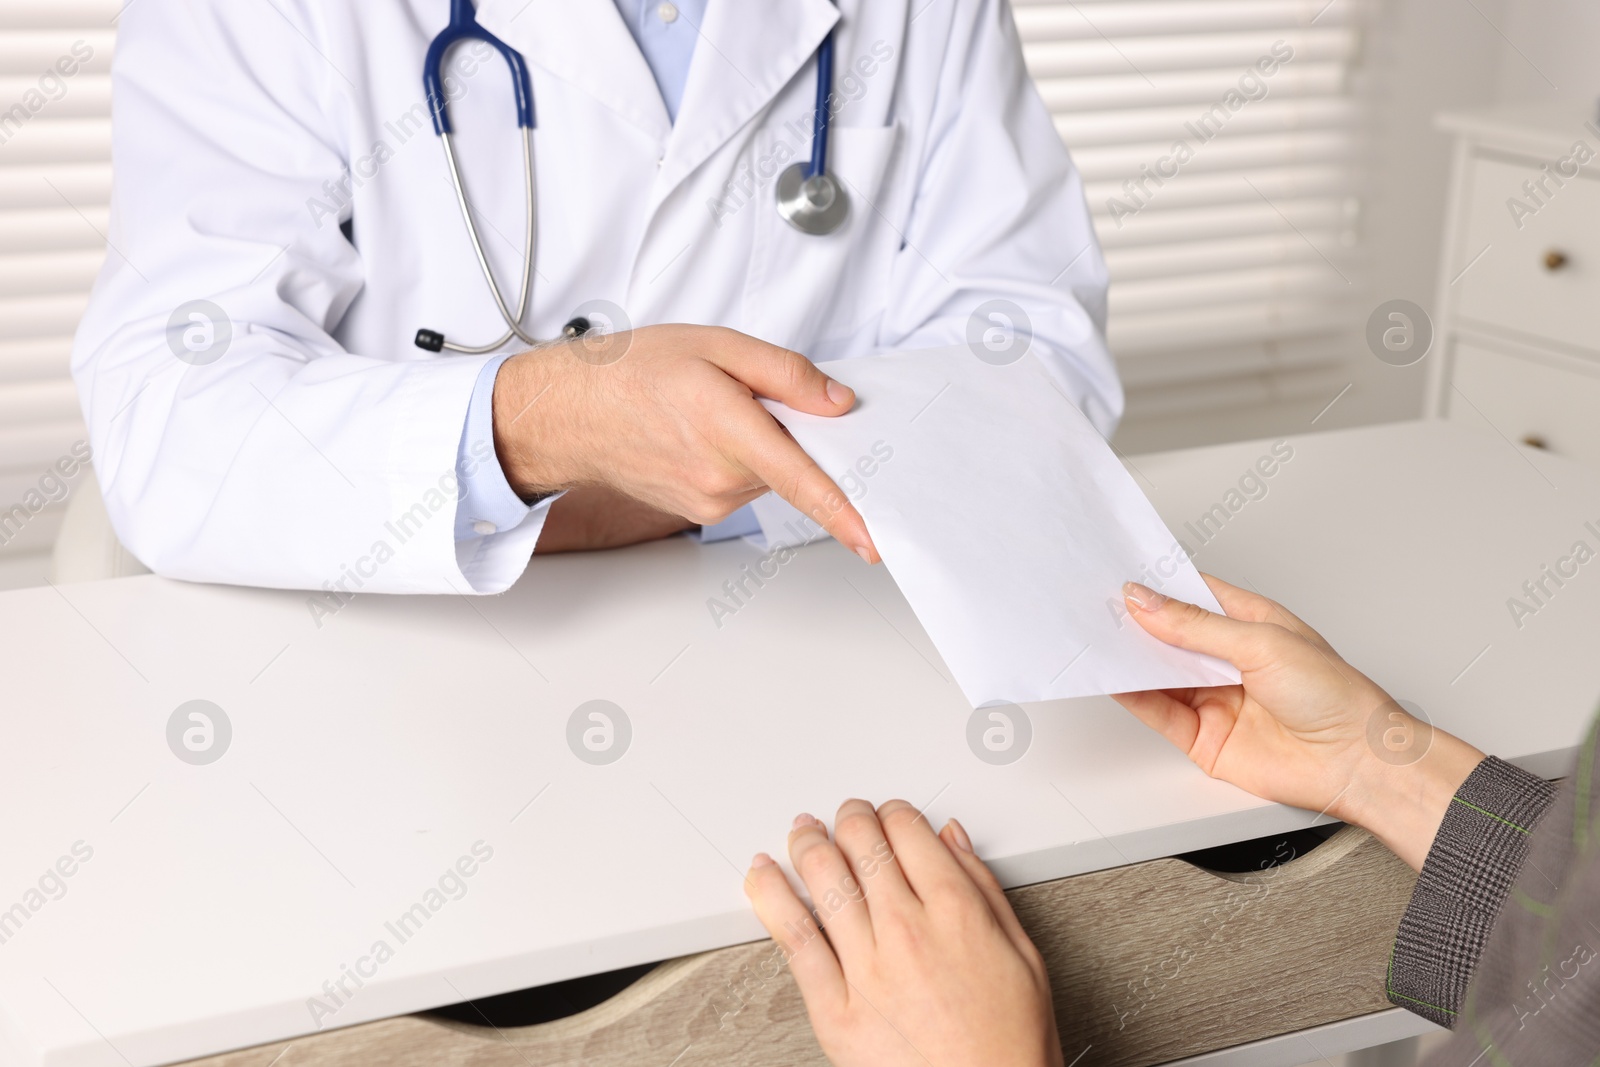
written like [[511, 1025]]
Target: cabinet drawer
[[1530, 401], [1150, 962], [1512, 286]]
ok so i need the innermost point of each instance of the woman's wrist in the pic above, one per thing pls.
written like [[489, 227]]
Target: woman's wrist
[[1401, 800]]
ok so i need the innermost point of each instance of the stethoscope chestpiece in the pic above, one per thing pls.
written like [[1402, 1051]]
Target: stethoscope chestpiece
[[815, 205]]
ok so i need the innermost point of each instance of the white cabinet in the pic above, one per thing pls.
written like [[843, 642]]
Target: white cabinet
[[1531, 397], [1519, 288]]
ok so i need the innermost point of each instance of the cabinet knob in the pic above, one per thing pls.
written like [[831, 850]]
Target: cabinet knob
[[1555, 259], [1533, 440]]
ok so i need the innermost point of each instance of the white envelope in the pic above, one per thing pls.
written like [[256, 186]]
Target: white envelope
[[1008, 523]]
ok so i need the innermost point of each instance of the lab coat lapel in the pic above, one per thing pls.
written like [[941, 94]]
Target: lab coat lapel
[[586, 44], [748, 50]]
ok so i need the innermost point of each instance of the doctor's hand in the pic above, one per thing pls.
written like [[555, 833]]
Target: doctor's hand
[[920, 959], [667, 415], [1305, 728], [597, 517]]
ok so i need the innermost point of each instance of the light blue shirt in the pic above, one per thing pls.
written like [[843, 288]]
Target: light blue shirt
[[487, 504], [665, 33]]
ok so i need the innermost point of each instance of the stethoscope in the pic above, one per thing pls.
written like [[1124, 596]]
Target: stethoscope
[[809, 198]]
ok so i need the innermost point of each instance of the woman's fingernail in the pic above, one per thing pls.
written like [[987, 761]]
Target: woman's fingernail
[[1143, 597], [761, 859], [861, 550], [959, 832], [803, 820], [838, 393]]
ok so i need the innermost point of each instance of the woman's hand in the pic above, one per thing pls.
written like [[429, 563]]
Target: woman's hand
[[1304, 728], [920, 959]]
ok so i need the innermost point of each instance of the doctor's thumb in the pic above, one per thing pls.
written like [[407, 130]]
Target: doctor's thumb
[[784, 375], [804, 386], [1186, 625]]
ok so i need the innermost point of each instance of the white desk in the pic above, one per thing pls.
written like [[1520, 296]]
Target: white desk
[[370, 754]]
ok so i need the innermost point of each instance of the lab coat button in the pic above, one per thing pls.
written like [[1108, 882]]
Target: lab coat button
[[483, 528], [668, 11]]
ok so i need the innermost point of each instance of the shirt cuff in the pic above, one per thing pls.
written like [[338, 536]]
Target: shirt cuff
[[487, 504], [741, 523], [1473, 863]]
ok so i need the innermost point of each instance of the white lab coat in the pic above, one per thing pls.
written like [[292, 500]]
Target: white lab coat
[[318, 450]]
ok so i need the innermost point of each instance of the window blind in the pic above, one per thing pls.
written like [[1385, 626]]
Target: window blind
[[55, 186], [1218, 142]]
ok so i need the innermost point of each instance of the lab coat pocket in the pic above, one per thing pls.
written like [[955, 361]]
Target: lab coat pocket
[[822, 294]]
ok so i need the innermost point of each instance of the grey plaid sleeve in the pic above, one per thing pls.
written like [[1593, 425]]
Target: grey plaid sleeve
[[1475, 859]]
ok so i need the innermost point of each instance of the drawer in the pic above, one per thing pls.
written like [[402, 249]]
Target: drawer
[[1150, 962], [1511, 286], [1528, 400]]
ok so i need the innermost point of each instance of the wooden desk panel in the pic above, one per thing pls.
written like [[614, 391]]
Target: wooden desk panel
[[1150, 962]]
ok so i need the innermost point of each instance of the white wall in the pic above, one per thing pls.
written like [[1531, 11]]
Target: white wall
[[1427, 56], [1549, 50]]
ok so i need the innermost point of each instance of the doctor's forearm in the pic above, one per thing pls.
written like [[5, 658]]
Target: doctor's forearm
[[594, 517], [533, 414], [585, 518]]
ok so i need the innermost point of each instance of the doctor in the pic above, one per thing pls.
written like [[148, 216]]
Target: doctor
[[284, 225]]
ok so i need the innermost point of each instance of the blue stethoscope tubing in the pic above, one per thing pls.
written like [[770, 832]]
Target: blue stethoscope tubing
[[464, 26], [809, 198]]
